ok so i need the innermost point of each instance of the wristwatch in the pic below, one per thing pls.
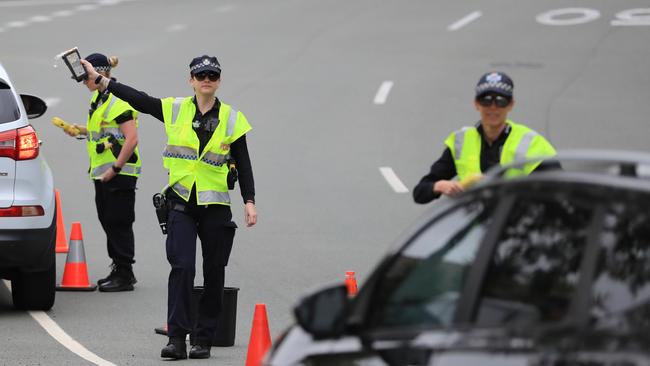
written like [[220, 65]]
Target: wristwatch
[[98, 79], [116, 168]]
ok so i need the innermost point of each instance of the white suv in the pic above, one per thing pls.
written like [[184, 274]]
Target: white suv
[[27, 203]]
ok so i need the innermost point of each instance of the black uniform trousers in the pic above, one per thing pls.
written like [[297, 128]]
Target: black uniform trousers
[[115, 202], [213, 225]]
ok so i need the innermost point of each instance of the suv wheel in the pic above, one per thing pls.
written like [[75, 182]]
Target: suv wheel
[[34, 290]]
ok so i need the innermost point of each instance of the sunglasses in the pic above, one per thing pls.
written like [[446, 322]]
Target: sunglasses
[[200, 76], [488, 99]]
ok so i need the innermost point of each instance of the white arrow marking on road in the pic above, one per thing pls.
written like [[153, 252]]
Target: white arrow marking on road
[[466, 20], [62, 337], [382, 93], [51, 102], [393, 180]]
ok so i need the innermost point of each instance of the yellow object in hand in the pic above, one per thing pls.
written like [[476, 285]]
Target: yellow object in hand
[[70, 129], [470, 180]]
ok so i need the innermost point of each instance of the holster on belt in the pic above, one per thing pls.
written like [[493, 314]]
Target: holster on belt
[[162, 210]]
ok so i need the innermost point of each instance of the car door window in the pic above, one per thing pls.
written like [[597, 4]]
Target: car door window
[[621, 288], [9, 111], [422, 286], [533, 272]]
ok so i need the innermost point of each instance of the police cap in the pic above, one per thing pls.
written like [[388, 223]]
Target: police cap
[[205, 63], [495, 82], [100, 62]]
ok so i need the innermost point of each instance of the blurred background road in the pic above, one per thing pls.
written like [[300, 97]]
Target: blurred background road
[[350, 102]]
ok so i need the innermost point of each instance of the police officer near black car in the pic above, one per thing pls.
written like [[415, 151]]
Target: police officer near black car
[[203, 135], [494, 140]]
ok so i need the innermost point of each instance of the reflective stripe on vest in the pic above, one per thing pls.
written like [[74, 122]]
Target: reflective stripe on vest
[[176, 106], [130, 169], [181, 152], [214, 196], [105, 132], [180, 189], [232, 118], [214, 159], [458, 142], [524, 144]]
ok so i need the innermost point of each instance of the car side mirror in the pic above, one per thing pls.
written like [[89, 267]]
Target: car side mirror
[[322, 314], [34, 106]]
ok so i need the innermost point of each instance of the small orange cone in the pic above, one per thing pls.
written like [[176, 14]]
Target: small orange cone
[[260, 340], [61, 242], [351, 283], [75, 273]]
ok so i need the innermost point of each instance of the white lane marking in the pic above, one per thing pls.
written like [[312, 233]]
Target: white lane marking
[[393, 180], [39, 19], [176, 27], [62, 337], [51, 102], [16, 24], [382, 93], [86, 7], [464, 21], [10, 4], [62, 13]]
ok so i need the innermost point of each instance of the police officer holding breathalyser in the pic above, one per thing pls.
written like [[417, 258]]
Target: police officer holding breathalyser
[[202, 133]]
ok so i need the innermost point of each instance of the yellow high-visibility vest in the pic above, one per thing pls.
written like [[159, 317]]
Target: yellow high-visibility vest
[[181, 155], [522, 143], [100, 125]]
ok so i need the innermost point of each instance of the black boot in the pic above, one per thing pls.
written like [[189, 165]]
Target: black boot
[[175, 349], [123, 280], [200, 351], [110, 275]]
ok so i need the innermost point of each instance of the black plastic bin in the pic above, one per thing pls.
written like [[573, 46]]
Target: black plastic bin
[[226, 325]]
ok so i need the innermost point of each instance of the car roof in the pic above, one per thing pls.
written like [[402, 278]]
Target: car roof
[[596, 168], [4, 76]]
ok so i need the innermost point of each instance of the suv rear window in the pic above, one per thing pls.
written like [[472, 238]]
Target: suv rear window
[[534, 270], [9, 111], [621, 289]]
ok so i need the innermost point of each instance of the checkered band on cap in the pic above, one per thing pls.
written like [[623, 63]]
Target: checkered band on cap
[[102, 68], [497, 82], [492, 86], [208, 63]]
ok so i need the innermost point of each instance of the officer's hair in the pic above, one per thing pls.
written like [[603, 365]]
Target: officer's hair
[[113, 61]]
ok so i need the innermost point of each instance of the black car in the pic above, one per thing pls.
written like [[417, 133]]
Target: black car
[[549, 269]]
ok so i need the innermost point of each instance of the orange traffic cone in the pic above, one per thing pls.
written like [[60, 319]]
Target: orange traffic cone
[[351, 283], [61, 241], [260, 340], [75, 274]]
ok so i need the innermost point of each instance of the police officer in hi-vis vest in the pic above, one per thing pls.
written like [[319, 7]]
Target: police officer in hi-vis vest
[[113, 123], [493, 140], [202, 133]]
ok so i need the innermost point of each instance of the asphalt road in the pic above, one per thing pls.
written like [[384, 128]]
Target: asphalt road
[[334, 90]]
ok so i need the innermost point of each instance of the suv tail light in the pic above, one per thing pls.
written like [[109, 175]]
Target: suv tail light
[[21, 211], [20, 144]]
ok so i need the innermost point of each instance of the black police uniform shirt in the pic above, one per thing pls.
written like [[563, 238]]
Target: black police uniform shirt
[[120, 181], [238, 150]]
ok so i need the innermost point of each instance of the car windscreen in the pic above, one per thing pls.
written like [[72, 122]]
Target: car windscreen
[[621, 288], [422, 286], [534, 270], [9, 111]]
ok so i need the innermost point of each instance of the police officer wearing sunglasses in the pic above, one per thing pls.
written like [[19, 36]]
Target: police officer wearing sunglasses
[[202, 133], [495, 139]]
